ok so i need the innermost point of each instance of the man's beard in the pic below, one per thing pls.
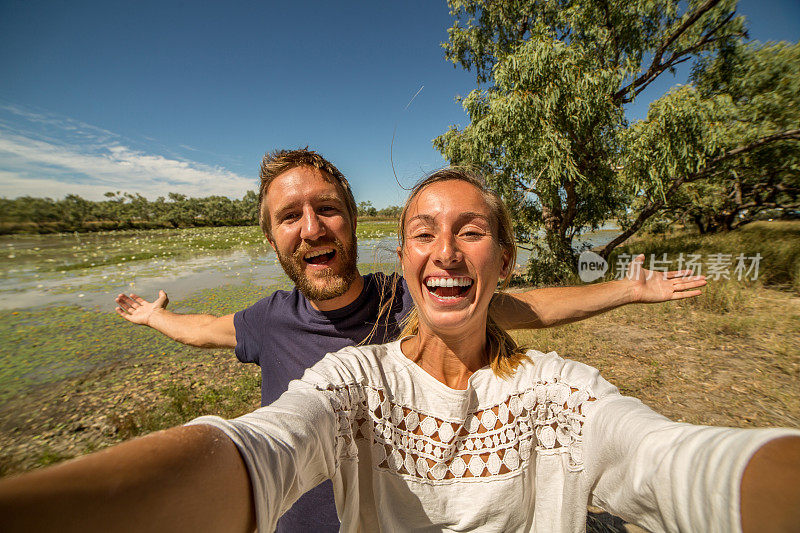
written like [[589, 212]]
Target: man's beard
[[327, 284]]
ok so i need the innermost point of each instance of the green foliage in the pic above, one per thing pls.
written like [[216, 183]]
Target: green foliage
[[392, 211], [124, 211], [365, 209], [757, 90], [548, 124], [42, 345], [119, 211]]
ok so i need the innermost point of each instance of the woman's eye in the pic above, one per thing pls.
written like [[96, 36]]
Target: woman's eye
[[423, 236]]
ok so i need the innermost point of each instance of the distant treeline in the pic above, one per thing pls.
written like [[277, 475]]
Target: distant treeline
[[133, 211]]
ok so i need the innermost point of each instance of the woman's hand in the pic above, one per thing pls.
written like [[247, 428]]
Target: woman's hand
[[650, 286]]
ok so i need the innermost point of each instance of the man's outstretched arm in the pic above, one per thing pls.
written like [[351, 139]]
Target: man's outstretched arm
[[205, 331], [553, 306]]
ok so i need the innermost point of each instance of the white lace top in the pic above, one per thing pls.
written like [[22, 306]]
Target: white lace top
[[527, 453]]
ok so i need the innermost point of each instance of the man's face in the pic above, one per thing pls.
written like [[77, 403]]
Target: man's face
[[312, 232]]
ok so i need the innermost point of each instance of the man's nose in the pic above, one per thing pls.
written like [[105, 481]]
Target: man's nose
[[312, 227]]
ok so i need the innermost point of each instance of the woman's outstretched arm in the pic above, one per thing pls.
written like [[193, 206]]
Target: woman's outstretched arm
[[670, 476], [188, 478]]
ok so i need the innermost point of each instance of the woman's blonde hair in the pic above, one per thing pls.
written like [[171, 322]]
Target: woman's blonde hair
[[503, 351]]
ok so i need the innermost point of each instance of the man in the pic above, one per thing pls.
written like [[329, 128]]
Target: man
[[307, 212]]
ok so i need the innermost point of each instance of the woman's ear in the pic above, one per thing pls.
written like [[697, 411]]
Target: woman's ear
[[400, 256], [506, 264]]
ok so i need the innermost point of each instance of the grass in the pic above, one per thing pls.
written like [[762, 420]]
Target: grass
[[128, 398], [692, 363], [777, 242], [39, 346], [67, 252], [180, 403]]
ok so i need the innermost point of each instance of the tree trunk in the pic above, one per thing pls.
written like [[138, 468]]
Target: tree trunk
[[701, 226], [560, 246]]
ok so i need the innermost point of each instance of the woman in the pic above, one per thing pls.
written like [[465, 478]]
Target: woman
[[452, 427]]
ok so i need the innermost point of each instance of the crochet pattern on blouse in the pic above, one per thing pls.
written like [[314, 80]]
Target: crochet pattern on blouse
[[491, 442]]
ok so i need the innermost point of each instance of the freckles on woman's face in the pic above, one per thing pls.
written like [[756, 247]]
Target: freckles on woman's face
[[451, 259]]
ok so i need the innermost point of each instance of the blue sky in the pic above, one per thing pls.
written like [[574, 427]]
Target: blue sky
[[156, 97]]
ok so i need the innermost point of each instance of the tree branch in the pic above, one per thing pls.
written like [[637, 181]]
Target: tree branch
[[656, 67], [642, 87], [519, 183], [709, 166], [654, 205], [690, 20], [611, 32]]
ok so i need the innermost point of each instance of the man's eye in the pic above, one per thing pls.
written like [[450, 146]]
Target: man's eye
[[289, 217], [328, 209]]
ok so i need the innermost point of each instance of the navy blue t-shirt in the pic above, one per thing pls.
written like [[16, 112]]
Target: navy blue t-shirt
[[285, 335]]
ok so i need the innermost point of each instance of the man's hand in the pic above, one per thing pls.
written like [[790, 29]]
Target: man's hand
[[136, 309], [653, 286], [202, 330]]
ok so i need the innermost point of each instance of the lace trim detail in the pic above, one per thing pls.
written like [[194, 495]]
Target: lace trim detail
[[490, 442]]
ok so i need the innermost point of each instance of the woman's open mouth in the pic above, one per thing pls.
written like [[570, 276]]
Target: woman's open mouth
[[448, 288]]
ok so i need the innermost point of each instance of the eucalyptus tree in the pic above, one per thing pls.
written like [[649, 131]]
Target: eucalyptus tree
[[755, 91], [547, 123]]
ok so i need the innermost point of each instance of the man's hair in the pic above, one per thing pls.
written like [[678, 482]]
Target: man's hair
[[276, 163]]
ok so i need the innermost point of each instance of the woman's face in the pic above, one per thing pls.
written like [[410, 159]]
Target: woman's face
[[451, 259]]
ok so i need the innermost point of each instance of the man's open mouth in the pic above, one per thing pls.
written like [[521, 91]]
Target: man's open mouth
[[322, 256], [448, 287]]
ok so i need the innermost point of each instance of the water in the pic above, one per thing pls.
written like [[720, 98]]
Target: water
[[27, 278], [25, 286], [589, 240]]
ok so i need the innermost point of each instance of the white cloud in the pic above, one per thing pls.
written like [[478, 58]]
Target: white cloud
[[95, 161], [13, 185]]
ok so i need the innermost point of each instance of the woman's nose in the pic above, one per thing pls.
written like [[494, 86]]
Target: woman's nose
[[447, 252]]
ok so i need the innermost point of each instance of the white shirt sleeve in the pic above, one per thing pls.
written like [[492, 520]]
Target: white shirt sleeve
[[289, 447], [664, 475]]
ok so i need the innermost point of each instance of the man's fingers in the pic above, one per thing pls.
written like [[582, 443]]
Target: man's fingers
[[121, 313], [128, 300]]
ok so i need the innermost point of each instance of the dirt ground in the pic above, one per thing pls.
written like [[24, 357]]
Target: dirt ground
[[739, 369]]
